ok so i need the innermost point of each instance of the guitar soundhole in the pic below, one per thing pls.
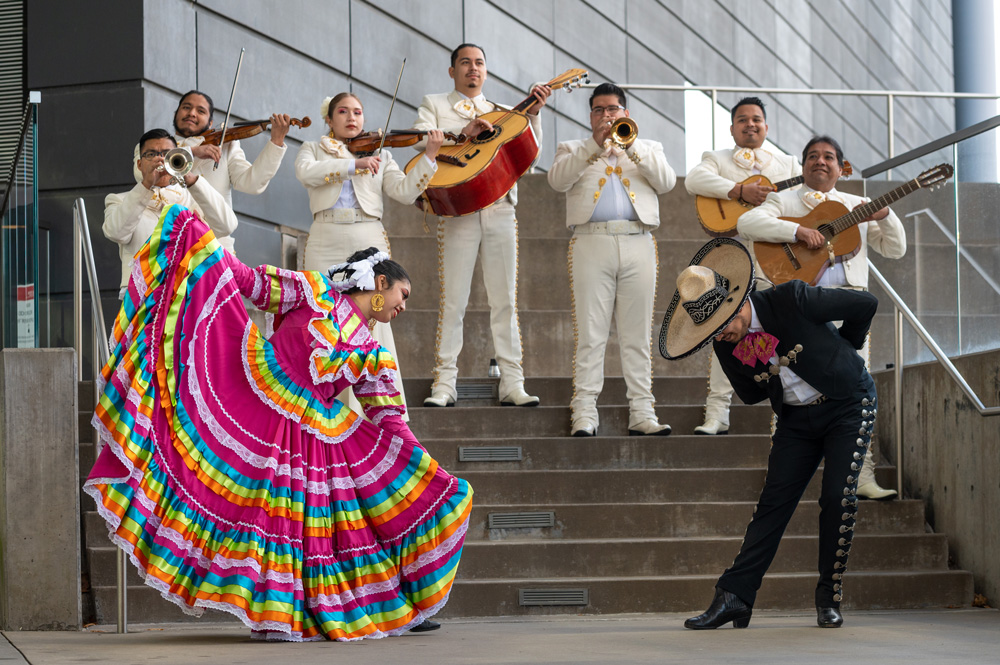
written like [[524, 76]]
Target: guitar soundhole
[[486, 137]]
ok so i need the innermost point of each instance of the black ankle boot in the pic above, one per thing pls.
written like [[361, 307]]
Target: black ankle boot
[[725, 607], [829, 617]]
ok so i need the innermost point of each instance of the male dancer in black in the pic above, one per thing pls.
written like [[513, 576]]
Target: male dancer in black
[[780, 344]]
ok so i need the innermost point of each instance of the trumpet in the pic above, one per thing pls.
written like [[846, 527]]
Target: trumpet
[[624, 132], [178, 163]]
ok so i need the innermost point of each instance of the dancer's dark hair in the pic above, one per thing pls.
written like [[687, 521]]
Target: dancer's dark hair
[[393, 271]]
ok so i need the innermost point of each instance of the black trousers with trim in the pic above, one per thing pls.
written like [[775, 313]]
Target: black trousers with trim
[[839, 432]]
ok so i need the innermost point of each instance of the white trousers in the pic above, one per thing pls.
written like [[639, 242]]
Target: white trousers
[[720, 392], [612, 275], [490, 234], [331, 243]]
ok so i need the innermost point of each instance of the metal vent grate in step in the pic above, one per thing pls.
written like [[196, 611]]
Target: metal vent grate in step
[[477, 390], [553, 597], [521, 520], [489, 454]]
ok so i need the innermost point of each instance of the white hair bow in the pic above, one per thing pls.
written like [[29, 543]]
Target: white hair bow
[[361, 273]]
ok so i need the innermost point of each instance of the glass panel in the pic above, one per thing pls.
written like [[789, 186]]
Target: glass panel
[[19, 247]]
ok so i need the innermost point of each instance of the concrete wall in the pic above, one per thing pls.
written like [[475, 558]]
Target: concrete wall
[[39, 491], [105, 81], [951, 457]]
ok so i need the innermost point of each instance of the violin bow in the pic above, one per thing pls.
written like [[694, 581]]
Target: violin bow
[[229, 107], [393, 103]]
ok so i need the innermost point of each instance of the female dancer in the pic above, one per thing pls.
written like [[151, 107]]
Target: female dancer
[[345, 193], [230, 474]]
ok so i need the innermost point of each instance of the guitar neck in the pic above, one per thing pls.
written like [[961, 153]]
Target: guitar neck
[[857, 215], [786, 184]]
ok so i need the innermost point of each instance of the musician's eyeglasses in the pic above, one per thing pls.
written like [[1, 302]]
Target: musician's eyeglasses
[[600, 110], [153, 154]]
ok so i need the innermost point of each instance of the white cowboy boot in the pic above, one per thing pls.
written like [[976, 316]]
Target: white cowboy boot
[[868, 488]]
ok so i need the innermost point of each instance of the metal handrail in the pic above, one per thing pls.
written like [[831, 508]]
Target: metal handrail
[[890, 98], [903, 311], [932, 146], [83, 255]]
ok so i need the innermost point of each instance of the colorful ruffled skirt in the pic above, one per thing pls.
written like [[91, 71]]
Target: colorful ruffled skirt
[[304, 526]]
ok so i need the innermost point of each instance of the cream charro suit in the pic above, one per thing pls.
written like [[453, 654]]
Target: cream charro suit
[[336, 234], [234, 171], [613, 267], [492, 234], [129, 217], [715, 176]]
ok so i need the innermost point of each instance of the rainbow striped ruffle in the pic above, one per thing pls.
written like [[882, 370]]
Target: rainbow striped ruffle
[[232, 484]]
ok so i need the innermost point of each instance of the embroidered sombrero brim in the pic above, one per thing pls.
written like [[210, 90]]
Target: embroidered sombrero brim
[[680, 336]]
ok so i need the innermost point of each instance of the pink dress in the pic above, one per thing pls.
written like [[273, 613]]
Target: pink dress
[[235, 480]]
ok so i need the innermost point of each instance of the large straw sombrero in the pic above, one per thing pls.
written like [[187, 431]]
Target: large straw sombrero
[[710, 292]]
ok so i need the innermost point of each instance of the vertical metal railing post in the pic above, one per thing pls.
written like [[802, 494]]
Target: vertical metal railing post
[[715, 102], [83, 254], [958, 251], [891, 120], [898, 396]]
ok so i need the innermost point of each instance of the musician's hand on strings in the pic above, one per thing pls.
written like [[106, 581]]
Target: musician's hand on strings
[[367, 164], [755, 194], [875, 216], [812, 238], [541, 93], [435, 139], [280, 123], [477, 127], [210, 152]]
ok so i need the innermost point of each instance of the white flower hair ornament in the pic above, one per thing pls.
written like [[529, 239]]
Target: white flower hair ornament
[[362, 273], [324, 108]]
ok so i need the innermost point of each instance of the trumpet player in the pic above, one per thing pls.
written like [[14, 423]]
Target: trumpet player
[[612, 180], [129, 217]]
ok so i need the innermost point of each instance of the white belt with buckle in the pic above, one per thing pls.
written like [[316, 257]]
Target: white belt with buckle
[[615, 227], [344, 216]]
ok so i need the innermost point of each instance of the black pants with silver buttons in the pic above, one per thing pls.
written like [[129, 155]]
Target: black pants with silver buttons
[[839, 432]]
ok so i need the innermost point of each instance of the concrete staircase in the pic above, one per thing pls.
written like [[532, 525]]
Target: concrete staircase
[[640, 524]]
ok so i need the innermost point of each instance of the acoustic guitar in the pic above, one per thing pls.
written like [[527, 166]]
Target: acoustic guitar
[[783, 262], [718, 217], [481, 170]]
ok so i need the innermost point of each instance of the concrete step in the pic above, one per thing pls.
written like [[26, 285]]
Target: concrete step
[[627, 486], [146, 605], [545, 421], [547, 343], [553, 559], [680, 519], [865, 590], [558, 390], [677, 451]]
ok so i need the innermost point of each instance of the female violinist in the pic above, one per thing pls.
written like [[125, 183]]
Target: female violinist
[[345, 192]]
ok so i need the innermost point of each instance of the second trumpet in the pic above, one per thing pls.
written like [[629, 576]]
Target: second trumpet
[[624, 132]]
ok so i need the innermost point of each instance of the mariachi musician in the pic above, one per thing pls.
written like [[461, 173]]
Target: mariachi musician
[[823, 163], [193, 118], [612, 184], [491, 233], [719, 176]]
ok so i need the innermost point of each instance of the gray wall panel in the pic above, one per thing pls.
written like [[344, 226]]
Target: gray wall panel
[[168, 54], [439, 21]]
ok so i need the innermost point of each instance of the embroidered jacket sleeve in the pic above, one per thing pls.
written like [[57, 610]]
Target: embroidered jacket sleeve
[[216, 211], [122, 213], [762, 223], [405, 187], [652, 163], [253, 178], [705, 179], [571, 160], [314, 171], [887, 236]]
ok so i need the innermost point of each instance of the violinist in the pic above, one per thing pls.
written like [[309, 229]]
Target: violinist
[[346, 190], [490, 233], [129, 217], [193, 118]]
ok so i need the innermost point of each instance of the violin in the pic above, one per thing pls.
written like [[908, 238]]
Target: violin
[[244, 130], [365, 144]]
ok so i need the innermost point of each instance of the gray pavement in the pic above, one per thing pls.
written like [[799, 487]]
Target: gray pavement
[[882, 638]]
